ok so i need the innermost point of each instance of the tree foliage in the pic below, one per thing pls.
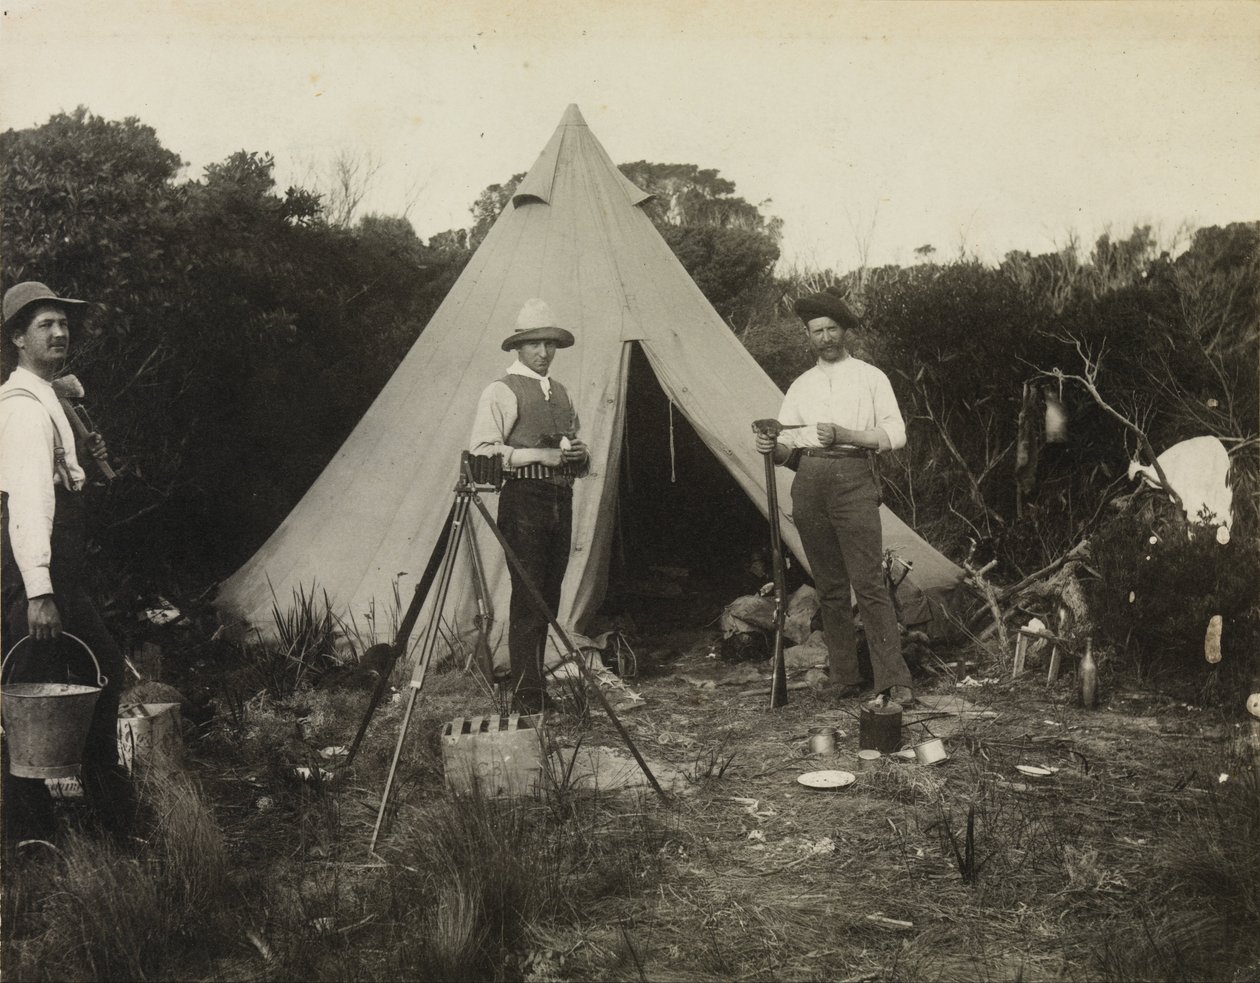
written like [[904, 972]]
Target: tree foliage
[[235, 337], [238, 332], [977, 354]]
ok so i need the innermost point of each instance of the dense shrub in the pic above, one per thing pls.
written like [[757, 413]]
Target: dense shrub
[[1160, 582], [235, 336]]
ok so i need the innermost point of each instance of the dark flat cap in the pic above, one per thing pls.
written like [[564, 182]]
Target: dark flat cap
[[827, 303]]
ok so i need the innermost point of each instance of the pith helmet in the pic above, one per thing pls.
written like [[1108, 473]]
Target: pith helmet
[[535, 322]]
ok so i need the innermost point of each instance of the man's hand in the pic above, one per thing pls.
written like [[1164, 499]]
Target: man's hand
[[576, 453], [43, 620], [95, 444], [765, 443], [832, 433], [552, 457]]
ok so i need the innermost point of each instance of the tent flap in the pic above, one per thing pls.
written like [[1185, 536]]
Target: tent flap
[[365, 529]]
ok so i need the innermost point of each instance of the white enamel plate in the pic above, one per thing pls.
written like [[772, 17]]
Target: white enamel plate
[[827, 779]]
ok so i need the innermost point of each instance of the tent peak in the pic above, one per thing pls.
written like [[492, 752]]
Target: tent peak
[[572, 144]]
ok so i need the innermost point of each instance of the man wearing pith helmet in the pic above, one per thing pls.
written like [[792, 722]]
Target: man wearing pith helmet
[[850, 415], [528, 418], [43, 557]]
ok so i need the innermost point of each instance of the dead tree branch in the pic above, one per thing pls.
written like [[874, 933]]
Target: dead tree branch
[[975, 577], [1076, 553], [1089, 382], [977, 496]]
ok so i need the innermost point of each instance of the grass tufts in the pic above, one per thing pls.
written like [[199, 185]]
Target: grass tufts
[[305, 646], [92, 910]]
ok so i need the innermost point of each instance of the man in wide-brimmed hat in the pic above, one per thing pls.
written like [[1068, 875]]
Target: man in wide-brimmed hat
[[851, 415], [43, 553], [528, 418]]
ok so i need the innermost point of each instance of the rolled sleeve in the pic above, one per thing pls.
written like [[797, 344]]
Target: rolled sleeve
[[790, 414], [496, 416], [888, 415]]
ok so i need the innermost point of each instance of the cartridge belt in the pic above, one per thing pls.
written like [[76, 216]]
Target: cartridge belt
[[541, 471], [834, 452]]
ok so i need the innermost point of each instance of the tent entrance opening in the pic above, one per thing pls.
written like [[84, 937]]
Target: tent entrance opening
[[687, 531]]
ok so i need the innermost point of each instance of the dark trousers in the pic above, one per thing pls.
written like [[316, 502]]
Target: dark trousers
[[536, 518], [27, 805], [835, 505]]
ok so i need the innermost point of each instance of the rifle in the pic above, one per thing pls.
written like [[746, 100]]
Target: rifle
[[778, 686], [68, 387]]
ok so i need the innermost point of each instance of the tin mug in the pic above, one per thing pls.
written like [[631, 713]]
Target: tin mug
[[822, 740]]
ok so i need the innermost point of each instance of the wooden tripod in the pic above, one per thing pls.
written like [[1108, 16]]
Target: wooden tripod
[[466, 497]]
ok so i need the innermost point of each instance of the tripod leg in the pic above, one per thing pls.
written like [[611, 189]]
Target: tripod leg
[[481, 656], [393, 768], [458, 517], [540, 604], [404, 629]]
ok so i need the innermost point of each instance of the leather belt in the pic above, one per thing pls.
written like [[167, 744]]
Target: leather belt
[[834, 452]]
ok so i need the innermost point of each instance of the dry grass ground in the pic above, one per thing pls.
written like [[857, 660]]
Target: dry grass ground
[[1134, 860]]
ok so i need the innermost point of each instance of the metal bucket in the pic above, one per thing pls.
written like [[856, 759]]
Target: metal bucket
[[46, 724], [879, 727]]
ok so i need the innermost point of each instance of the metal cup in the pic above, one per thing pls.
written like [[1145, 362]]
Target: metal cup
[[822, 740], [931, 751]]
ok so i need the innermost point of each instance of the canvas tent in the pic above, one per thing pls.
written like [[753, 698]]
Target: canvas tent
[[575, 235]]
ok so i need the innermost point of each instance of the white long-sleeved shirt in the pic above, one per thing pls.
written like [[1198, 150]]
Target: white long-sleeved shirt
[[852, 393], [28, 476], [497, 412]]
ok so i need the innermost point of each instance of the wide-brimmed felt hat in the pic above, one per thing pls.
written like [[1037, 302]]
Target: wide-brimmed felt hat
[[535, 322], [20, 296], [827, 303]]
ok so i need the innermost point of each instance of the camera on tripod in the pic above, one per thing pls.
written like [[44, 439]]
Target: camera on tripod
[[485, 470]]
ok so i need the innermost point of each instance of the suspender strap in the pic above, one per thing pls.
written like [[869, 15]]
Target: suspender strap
[[60, 466]]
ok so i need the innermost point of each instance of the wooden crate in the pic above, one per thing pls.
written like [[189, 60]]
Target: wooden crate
[[496, 755], [149, 738]]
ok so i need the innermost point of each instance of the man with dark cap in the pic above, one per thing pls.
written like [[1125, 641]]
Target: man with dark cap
[[43, 553], [851, 414], [528, 418]]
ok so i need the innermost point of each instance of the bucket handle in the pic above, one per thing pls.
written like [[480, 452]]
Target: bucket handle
[[101, 678]]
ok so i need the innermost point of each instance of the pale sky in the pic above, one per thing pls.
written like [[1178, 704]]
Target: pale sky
[[870, 126]]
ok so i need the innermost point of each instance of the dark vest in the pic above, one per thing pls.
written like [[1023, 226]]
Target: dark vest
[[536, 416]]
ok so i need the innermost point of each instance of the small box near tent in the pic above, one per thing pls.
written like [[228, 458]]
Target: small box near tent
[[576, 235]]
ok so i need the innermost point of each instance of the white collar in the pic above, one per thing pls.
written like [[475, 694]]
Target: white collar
[[839, 367], [24, 378], [520, 368]]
